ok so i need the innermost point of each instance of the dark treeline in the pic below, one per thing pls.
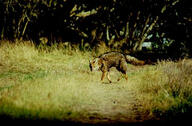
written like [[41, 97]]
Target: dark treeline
[[165, 25]]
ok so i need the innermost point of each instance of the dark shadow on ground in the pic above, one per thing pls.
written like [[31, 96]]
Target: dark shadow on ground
[[181, 120]]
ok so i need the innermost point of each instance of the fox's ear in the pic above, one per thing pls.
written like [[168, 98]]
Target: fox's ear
[[90, 61]]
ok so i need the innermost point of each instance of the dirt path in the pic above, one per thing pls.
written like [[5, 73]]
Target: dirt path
[[118, 104], [117, 111]]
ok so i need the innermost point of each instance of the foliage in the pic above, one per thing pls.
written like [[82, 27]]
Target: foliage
[[122, 24]]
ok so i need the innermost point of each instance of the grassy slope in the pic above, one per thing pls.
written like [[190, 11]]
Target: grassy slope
[[59, 85]]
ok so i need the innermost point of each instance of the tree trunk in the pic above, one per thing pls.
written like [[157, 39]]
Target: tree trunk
[[138, 45], [127, 30], [107, 33], [24, 29], [2, 33]]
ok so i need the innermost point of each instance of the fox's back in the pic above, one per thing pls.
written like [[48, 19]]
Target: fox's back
[[112, 58]]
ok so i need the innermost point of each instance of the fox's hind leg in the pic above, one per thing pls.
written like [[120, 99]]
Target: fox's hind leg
[[126, 77], [123, 75], [123, 69], [119, 78]]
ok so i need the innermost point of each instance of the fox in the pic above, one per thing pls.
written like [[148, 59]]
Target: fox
[[113, 59]]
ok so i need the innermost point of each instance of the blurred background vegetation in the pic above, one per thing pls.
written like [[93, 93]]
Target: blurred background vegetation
[[154, 28]]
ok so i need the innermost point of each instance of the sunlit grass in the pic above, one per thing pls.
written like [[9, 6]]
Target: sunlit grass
[[166, 89], [57, 84]]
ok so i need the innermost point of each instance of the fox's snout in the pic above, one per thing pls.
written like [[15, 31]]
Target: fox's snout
[[94, 65]]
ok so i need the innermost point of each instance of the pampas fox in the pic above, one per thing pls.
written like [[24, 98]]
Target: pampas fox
[[113, 59]]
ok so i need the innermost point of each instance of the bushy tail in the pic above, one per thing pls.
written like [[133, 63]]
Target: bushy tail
[[133, 60]]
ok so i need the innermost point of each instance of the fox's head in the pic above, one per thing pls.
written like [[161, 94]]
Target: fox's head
[[95, 64]]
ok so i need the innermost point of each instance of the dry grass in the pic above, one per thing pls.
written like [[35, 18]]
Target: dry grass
[[166, 89], [57, 84]]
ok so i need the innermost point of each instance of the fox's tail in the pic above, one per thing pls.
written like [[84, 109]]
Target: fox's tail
[[133, 60]]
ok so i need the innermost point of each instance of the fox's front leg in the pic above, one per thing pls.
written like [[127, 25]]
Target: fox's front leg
[[104, 70], [108, 77], [103, 75]]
